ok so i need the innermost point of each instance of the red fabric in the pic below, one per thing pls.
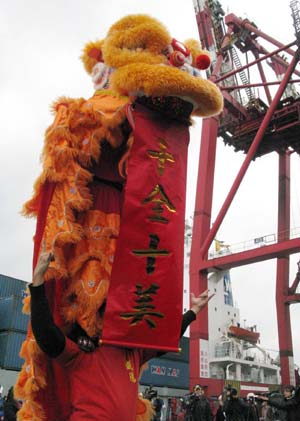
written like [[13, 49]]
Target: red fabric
[[133, 273], [107, 167], [100, 384], [100, 381], [44, 203], [55, 398], [106, 198]]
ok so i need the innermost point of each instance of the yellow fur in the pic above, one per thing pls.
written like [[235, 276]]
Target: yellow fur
[[136, 39], [195, 49], [168, 81], [136, 47]]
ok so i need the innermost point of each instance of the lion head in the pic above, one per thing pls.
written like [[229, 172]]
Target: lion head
[[139, 57]]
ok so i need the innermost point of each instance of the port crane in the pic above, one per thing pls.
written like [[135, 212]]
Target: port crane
[[256, 121]]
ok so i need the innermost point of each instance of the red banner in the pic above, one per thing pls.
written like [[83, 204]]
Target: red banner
[[144, 305]]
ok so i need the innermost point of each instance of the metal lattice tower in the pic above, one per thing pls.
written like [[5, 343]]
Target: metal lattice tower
[[244, 79], [295, 7]]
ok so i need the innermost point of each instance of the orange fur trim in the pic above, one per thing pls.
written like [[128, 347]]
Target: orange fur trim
[[31, 386], [77, 264], [87, 298], [85, 157], [30, 380], [30, 208], [25, 413], [169, 81], [116, 119], [81, 115], [62, 101], [65, 156], [145, 410], [91, 301], [24, 350], [63, 143], [19, 386], [30, 411], [26, 304]]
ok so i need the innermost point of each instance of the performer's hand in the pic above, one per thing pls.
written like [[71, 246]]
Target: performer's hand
[[198, 303], [41, 268]]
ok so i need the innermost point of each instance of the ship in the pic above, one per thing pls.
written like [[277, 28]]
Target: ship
[[233, 353]]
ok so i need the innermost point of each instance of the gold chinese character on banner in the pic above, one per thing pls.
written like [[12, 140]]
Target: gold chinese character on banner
[[160, 200], [144, 308], [161, 155], [151, 253]]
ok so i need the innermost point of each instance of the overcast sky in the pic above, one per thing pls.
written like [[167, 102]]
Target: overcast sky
[[40, 44]]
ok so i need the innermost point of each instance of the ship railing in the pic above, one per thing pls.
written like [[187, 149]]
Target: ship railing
[[254, 243], [248, 379], [235, 355]]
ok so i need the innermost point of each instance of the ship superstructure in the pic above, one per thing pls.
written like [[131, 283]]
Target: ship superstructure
[[234, 351]]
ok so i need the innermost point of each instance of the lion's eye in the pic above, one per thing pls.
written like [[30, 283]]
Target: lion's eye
[[166, 51]]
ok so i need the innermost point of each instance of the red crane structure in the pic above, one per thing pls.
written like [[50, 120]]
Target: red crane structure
[[257, 125]]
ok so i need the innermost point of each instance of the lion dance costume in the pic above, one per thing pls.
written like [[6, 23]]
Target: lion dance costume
[[110, 200]]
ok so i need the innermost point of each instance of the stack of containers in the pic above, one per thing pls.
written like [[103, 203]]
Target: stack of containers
[[13, 323]]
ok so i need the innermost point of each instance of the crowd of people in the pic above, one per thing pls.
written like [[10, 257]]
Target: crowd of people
[[274, 406], [9, 406]]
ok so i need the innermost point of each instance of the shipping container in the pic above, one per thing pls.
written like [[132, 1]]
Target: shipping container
[[183, 355], [11, 286], [11, 316], [10, 345], [166, 373]]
